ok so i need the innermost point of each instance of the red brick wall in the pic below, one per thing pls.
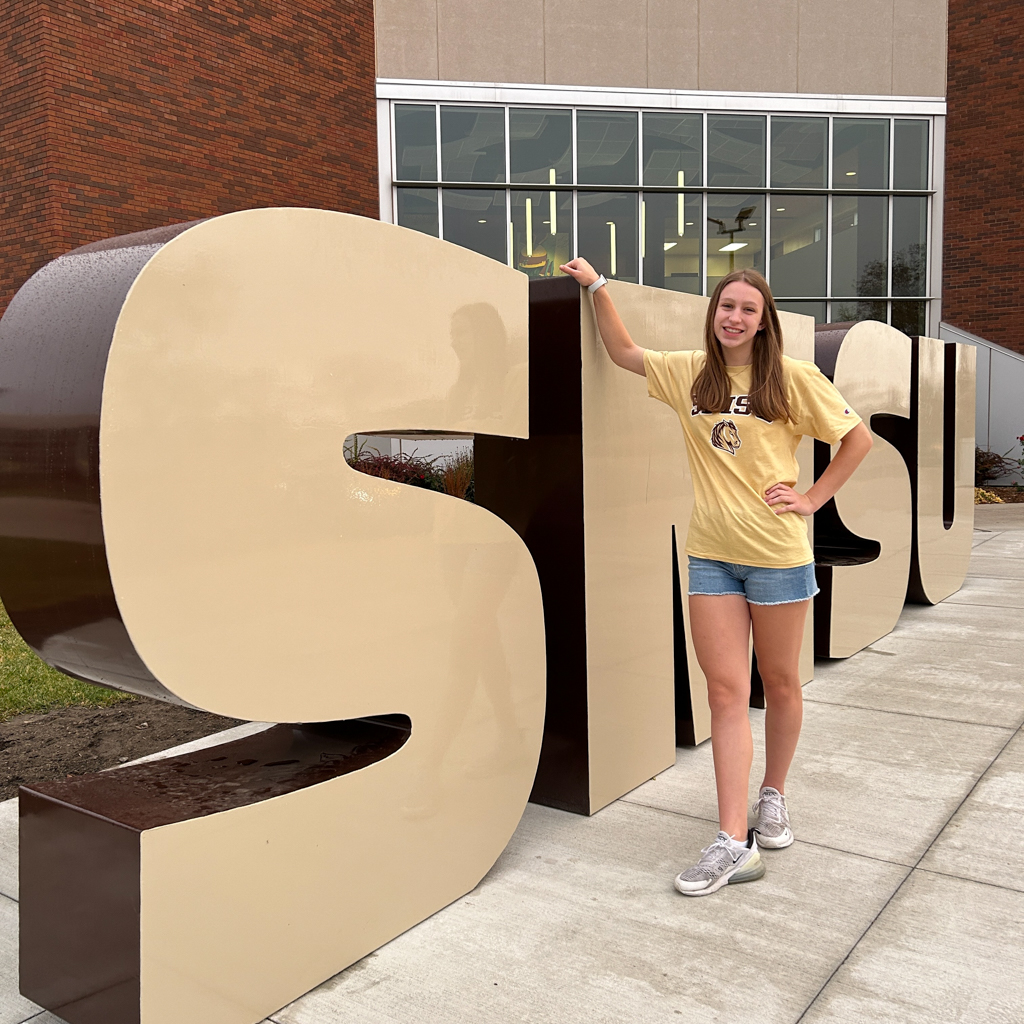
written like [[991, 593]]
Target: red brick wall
[[983, 268], [120, 116]]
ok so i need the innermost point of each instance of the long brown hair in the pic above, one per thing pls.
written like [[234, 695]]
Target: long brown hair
[[712, 388]]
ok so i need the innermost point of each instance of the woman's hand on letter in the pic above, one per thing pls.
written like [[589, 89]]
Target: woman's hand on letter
[[581, 270]]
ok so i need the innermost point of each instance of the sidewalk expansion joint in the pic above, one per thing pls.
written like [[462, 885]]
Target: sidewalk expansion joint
[[906, 714], [910, 872]]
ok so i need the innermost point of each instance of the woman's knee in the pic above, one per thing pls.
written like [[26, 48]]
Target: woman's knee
[[728, 695], [782, 686]]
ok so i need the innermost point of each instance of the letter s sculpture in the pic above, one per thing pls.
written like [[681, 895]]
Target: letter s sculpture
[[180, 521]]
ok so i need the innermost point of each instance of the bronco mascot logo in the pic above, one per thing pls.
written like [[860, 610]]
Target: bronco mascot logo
[[725, 436]]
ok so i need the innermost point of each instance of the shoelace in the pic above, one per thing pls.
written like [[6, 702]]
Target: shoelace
[[771, 805], [713, 860]]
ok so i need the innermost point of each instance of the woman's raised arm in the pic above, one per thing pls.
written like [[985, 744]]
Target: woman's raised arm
[[621, 348]]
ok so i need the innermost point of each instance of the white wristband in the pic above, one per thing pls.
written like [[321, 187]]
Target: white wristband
[[602, 280]]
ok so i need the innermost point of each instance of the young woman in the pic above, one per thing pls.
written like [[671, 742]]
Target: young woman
[[744, 407]]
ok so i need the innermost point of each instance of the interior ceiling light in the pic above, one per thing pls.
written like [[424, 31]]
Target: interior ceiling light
[[850, 174], [733, 246], [752, 224], [669, 245], [481, 222], [780, 209], [689, 223]]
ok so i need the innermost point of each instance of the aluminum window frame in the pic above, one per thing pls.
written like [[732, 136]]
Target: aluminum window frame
[[930, 110]]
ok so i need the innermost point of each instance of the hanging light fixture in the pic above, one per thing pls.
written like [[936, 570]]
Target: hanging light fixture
[[529, 226], [553, 202], [680, 209], [611, 244]]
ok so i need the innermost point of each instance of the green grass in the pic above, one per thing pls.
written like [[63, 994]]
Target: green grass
[[28, 684]]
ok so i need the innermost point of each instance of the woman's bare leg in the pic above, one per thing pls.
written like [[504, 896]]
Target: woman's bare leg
[[778, 634], [721, 636]]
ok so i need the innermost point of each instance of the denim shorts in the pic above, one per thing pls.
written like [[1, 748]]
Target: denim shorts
[[757, 584]]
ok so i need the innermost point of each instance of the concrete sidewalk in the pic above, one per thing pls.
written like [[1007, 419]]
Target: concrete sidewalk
[[902, 899]]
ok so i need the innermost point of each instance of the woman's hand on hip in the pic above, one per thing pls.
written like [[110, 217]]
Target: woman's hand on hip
[[581, 270], [783, 498]]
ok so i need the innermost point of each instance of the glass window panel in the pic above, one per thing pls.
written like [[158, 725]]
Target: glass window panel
[[417, 209], [673, 149], [815, 309], [909, 245], [798, 152], [910, 154], [860, 153], [735, 151], [908, 317], [845, 312], [672, 232], [472, 144], [606, 148], [540, 145], [735, 235], [860, 244], [415, 142], [798, 245], [608, 232], [541, 232], [475, 218]]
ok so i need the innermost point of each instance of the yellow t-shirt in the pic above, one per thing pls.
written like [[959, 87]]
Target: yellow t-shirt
[[735, 457]]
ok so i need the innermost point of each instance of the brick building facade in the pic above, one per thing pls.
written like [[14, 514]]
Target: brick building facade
[[983, 267], [124, 116]]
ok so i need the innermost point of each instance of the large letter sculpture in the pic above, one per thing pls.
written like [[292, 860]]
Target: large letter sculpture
[[601, 495], [941, 458], [863, 535], [178, 519], [902, 526]]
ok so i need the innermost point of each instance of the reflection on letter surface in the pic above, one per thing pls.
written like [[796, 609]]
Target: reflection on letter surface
[[258, 576]]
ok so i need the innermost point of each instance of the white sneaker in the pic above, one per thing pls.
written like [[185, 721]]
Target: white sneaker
[[772, 826], [722, 862]]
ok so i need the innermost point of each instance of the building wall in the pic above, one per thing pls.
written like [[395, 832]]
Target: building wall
[[873, 47], [984, 208], [121, 116]]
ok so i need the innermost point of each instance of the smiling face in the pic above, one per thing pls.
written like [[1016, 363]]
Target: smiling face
[[738, 318]]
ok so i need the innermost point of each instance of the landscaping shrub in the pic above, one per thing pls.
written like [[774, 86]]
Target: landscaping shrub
[[453, 475]]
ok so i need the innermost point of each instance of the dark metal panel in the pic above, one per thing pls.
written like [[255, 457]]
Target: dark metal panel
[[277, 761], [54, 580], [79, 912], [81, 850], [536, 486]]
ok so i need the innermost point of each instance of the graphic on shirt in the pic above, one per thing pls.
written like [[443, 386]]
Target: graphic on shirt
[[739, 405], [726, 437]]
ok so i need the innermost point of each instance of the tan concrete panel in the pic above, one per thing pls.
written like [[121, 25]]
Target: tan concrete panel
[[406, 38], [919, 47], [749, 45], [672, 44], [261, 577], [490, 40], [873, 375], [635, 486], [595, 42], [943, 554], [846, 47]]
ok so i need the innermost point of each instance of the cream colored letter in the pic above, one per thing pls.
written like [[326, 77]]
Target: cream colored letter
[[260, 577]]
